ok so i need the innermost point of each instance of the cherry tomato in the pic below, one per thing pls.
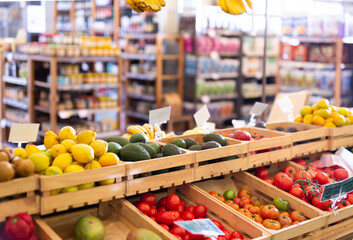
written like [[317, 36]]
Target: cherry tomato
[[145, 208], [187, 215], [350, 198], [243, 193], [173, 202], [257, 201], [218, 224], [148, 198], [343, 203], [236, 234], [271, 224], [178, 231], [190, 236], [226, 233], [245, 212], [297, 191], [162, 208], [290, 171], [297, 216], [256, 218], [321, 178], [213, 193], [269, 181], [153, 211], [283, 214], [262, 173], [182, 203], [165, 226], [310, 192], [167, 217], [162, 202], [200, 211], [190, 209], [180, 208], [300, 161], [269, 211], [284, 220], [340, 174], [283, 182]]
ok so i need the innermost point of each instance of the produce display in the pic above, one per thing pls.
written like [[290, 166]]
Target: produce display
[[146, 5], [211, 140], [19, 227], [89, 228], [146, 130], [234, 7]]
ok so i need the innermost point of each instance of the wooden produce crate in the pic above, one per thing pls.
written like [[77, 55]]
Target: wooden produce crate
[[18, 195], [341, 137], [63, 201], [149, 175], [259, 188], [309, 138], [217, 161], [276, 146], [119, 218], [192, 196]]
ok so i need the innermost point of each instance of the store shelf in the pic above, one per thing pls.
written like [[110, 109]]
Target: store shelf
[[15, 103], [78, 87], [308, 39], [218, 98], [141, 76], [16, 56], [15, 80], [149, 36], [107, 134], [326, 93], [170, 77], [216, 76], [143, 97], [137, 115], [44, 58], [138, 56], [64, 114], [170, 57], [306, 65], [273, 55]]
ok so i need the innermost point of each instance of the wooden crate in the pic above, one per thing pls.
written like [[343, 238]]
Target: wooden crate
[[259, 188], [119, 218], [279, 143], [63, 201], [182, 172], [217, 161], [341, 137], [18, 195], [193, 196], [309, 138]]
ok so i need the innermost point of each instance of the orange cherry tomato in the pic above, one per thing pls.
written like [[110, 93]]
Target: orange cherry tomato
[[257, 201], [245, 212], [244, 193], [271, 224], [213, 193], [256, 218], [269, 211], [297, 216], [284, 220]]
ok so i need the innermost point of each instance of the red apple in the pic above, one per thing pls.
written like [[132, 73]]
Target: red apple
[[242, 135]]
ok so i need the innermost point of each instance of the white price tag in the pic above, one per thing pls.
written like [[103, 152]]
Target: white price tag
[[159, 116], [238, 123], [21, 133], [201, 227], [285, 104], [258, 108], [202, 116], [211, 126]]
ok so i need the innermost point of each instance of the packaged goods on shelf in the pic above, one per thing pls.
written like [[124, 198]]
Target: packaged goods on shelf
[[138, 88], [16, 69], [18, 94], [322, 53], [15, 115], [219, 109], [218, 44], [252, 67], [207, 65], [80, 78], [215, 88], [254, 46], [254, 90]]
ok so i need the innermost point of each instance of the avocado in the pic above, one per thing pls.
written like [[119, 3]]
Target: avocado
[[159, 155], [156, 147], [114, 147], [138, 137], [260, 124], [179, 142], [215, 137], [281, 129], [149, 149], [210, 144], [190, 142], [195, 148], [134, 152], [292, 129], [170, 150], [117, 139]]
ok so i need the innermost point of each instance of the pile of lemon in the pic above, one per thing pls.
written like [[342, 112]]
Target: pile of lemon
[[67, 153], [324, 114]]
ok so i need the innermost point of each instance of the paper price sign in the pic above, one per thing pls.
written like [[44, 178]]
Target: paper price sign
[[201, 227], [258, 108], [285, 104], [160, 115], [337, 190], [202, 116], [21, 133]]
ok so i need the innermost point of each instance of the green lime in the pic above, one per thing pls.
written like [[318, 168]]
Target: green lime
[[229, 194]]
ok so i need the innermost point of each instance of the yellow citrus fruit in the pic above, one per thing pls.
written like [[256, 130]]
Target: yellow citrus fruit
[[99, 146], [67, 132], [350, 117], [68, 143], [57, 149], [55, 192], [77, 163], [318, 120], [308, 119], [330, 124], [50, 139], [31, 149], [323, 103], [20, 152], [306, 110], [92, 165], [86, 137], [40, 160], [316, 112], [69, 189], [82, 153], [343, 111], [325, 113], [334, 114], [107, 182], [63, 161], [85, 186], [298, 119], [339, 120], [108, 159], [53, 170], [73, 168], [348, 121], [329, 120], [315, 107], [333, 108]]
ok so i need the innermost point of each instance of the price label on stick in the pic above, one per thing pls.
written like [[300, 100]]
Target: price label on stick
[[337, 190], [159, 116], [201, 227], [22, 133], [202, 116], [258, 108]]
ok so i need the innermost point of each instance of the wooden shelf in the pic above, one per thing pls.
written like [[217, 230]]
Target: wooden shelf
[[143, 97], [141, 76], [138, 56], [137, 115], [78, 87], [170, 77], [325, 93], [15, 80], [15, 103]]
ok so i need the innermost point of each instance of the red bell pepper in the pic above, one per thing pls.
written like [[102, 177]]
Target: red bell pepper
[[19, 227]]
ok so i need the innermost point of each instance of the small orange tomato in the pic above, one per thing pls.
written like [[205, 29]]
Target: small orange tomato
[[284, 214], [221, 198], [244, 193], [245, 212], [247, 206], [257, 201], [235, 206], [213, 193], [244, 201], [297, 216], [254, 209], [284, 220], [271, 224], [256, 218], [228, 202], [295, 222], [284, 226], [269, 211]]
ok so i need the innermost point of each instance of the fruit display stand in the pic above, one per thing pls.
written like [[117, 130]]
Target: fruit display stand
[[64, 201], [341, 137], [234, 154], [18, 195], [276, 146], [118, 216], [308, 138]]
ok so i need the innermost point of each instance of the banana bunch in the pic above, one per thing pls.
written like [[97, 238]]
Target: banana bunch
[[146, 5], [234, 7], [145, 129]]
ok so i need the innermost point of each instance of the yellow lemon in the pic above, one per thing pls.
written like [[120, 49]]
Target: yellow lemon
[[308, 119], [82, 153], [67, 133], [316, 112], [55, 191], [31, 149], [315, 107], [323, 103], [298, 119], [85, 186], [20, 152], [330, 124], [108, 159], [99, 146], [69, 189], [348, 121], [41, 161], [334, 114], [68, 143], [77, 163], [86, 137], [325, 113], [333, 108], [350, 117], [329, 120], [92, 165], [107, 182], [53, 170], [318, 120], [63, 161], [73, 168], [306, 110], [57, 149], [339, 120], [50, 139], [343, 111]]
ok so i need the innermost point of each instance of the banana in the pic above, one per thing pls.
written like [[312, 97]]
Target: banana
[[161, 2], [133, 129], [163, 134], [240, 6], [149, 130], [249, 3], [156, 128], [142, 129], [223, 5], [127, 136]]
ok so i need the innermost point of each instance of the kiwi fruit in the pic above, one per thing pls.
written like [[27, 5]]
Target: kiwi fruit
[[25, 168], [9, 152], [7, 171], [4, 157]]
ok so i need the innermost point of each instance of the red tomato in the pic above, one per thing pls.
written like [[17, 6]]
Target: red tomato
[[329, 172], [262, 173], [350, 198], [162, 202], [310, 192], [303, 175], [321, 178], [283, 182], [148, 198], [343, 203], [237, 200], [244, 201], [178, 231], [190, 236], [173, 202], [167, 217], [145, 208], [290, 171], [218, 224], [322, 205], [153, 218], [165, 226], [162, 208], [269, 181], [297, 191], [221, 238], [180, 208], [136, 203], [153, 211], [187, 215], [300, 161], [200, 211], [236, 234], [182, 203], [190, 209], [304, 199], [340, 174], [269, 211], [227, 233]]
